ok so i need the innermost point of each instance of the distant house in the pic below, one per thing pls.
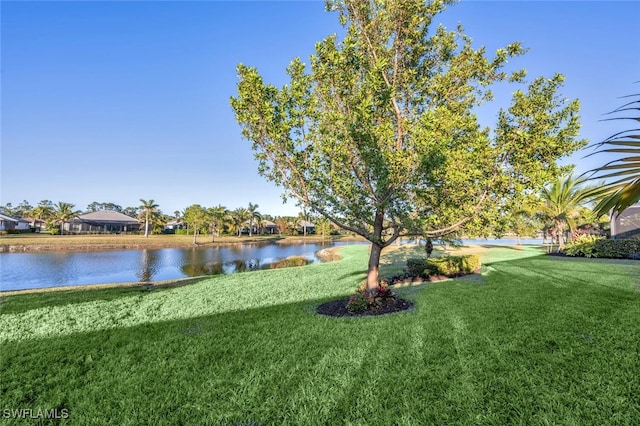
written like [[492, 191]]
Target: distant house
[[310, 227], [37, 225], [626, 224], [267, 227], [7, 223], [173, 225], [23, 224], [10, 223], [262, 227], [106, 221]]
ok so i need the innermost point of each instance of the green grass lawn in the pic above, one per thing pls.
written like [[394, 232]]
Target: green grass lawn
[[535, 340]]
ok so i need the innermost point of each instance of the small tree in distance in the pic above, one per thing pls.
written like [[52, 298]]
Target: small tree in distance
[[148, 208], [196, 216], [64, 212], [379, 134]]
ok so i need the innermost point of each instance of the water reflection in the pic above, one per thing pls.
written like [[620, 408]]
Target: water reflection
[[148, 264], [195, 269]]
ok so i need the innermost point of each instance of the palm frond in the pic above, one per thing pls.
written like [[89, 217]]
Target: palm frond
[[625, 191]]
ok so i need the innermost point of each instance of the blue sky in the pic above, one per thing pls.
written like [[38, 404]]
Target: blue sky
[[117, 101]]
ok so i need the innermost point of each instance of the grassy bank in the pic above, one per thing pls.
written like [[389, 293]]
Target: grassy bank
[[29, 242], [534, 340]]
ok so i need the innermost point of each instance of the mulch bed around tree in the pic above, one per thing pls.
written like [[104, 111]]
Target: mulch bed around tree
[[338, 308]]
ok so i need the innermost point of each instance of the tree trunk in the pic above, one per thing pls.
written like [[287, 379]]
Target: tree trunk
[[195, 233], [374, 269], [560, 235], [146, 225], [374, 256], [428, 247]]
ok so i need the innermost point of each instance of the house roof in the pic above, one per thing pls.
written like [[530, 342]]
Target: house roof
[[305, 223], [8, 218], [260, 223], [107, 216]]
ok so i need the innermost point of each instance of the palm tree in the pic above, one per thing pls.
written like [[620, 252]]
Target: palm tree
[[561, 204], [255, 214], [625, 191], [262, 225], [41, 212], [64, 212], [292, 225], [304, 219], [217, 216], [240, 216], [149, 208]]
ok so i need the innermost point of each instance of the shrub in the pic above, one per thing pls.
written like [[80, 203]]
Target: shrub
[[618, 249], [449, 266], [361, 301], [19, 231], [288, 262], [416, 266], [181, 231], [590, 246], [384, 292], [583, 245]]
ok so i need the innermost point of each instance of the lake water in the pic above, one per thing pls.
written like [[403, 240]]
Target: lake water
[[20, 271]]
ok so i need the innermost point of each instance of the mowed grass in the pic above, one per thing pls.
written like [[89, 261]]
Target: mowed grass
[[534, 340]]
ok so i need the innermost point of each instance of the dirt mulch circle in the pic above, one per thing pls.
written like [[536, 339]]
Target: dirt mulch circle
[[338, 308]]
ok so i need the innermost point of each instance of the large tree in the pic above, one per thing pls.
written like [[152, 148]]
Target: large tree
[[379, 134]]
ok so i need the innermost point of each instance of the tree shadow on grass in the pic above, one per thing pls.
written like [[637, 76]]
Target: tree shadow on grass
[[60, 296]]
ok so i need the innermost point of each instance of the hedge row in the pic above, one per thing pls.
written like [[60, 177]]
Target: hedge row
[[449, 265], [588, 246]]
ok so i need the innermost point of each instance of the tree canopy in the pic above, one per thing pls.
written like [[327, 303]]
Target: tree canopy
[[379, 134]]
